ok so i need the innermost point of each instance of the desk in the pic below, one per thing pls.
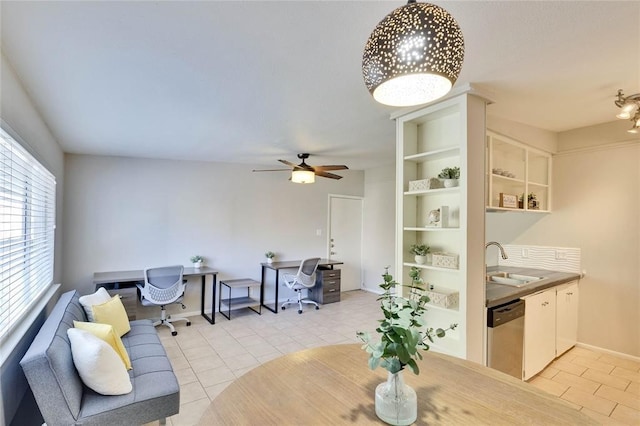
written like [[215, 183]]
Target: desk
[[332, 385], [290, 264], [128, 279]]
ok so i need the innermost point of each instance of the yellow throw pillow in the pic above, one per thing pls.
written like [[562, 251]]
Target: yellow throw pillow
[[108, 334], [112, 312]]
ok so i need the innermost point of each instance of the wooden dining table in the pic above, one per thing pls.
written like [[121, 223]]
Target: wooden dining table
[[333, 385]]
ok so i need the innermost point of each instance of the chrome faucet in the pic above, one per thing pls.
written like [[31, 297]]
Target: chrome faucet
[[495, 243]]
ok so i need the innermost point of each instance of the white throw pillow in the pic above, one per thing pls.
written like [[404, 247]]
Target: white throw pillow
[[98, 364], [99, 297]]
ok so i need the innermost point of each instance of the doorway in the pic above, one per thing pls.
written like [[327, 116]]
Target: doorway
[[345, 238]]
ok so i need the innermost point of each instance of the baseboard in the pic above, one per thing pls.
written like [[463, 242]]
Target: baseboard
[[607, 351]]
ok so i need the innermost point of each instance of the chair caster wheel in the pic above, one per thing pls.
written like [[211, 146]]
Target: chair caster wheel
[[317, 307], [283, 308], [174, 333], [300, 311], [188, 323]]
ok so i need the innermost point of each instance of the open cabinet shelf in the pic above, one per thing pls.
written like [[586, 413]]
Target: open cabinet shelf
[[449, 133]]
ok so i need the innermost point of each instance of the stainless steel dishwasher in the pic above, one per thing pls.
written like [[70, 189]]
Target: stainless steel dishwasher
[[505, 337]]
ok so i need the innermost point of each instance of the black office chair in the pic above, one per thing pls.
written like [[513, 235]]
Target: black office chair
[[161, 287], [304, 279]]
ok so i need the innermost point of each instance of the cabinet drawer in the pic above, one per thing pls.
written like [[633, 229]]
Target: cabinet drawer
[[329, 274], [331, 286], [331, 298]]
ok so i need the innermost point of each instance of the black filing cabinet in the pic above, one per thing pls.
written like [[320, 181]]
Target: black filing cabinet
[[327, 289]]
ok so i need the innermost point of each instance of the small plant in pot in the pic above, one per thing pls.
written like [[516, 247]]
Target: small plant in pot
[[197, 260], [403, 332], [269, 255], [450, 175], [420, 251]]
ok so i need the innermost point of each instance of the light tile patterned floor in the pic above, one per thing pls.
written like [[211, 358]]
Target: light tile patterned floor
[[207, 358], [603, 386]]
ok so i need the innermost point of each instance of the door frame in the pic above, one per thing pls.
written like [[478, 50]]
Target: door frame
[[328, 242]]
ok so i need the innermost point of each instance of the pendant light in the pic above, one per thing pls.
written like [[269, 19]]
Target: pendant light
[[413, 56]]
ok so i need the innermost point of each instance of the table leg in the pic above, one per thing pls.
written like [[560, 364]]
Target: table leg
[[212, 318], [277, 281], [264, 277]]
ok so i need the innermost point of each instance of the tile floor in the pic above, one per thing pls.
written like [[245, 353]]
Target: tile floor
[[207, 358]]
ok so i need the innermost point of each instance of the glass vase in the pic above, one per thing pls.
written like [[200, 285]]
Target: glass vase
[[396, 402]]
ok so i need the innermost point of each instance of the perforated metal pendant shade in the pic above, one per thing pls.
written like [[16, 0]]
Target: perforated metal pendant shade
[[413, 56]]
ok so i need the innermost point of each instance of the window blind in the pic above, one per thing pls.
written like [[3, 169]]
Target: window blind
[[27, 229]]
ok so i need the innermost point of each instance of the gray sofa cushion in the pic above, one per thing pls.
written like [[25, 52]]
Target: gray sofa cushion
[[62, 397]]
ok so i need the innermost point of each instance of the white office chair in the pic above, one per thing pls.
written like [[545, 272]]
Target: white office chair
[[163, 286], [304, 279]]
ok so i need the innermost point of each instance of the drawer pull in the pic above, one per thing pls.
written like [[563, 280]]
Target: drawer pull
[[333, 289]]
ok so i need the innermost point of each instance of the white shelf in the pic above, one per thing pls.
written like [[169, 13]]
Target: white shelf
[[434, 191], [427, 266], [437, 154], [506, 209], [506, 178], [432, 229]]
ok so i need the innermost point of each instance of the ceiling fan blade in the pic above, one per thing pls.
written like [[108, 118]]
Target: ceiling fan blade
[[331, 167], [327, 175], [272, 170], [288, 163]]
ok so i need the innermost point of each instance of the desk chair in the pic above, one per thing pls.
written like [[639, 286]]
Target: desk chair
[[304, 279], [163, 286]]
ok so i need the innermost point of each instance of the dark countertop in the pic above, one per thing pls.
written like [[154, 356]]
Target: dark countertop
[[498, 294]]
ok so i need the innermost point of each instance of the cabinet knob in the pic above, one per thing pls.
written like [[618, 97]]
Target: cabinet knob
[[333, 252]]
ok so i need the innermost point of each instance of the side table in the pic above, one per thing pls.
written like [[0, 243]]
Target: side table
[[229, 303]]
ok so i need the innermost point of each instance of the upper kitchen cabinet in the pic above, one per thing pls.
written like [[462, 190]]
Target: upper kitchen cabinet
[[446, 216], [518, 176]]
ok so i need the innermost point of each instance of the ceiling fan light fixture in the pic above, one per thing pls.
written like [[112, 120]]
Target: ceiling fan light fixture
[[303, 176], [629, 109], [413, 56]]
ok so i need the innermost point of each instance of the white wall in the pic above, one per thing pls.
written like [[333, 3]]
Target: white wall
[[27, 126], [378, 249], [22, 120], [124, 213], [596, 193]]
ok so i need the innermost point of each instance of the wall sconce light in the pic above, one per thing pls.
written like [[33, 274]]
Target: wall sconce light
[[630, 109], [413, 56], [303, 176]]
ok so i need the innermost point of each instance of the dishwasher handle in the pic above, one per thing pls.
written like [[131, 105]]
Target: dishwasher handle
[[505, 313]]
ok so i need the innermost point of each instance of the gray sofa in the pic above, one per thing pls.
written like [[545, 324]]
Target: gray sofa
[[64, 400]]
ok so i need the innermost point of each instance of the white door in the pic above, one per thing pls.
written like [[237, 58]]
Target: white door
[[345, 239]]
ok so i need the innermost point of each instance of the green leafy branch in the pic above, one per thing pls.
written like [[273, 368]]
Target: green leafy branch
[[403, 331]]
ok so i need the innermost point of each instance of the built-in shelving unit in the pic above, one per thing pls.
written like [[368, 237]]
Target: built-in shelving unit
[[516, 170], [450, 133]]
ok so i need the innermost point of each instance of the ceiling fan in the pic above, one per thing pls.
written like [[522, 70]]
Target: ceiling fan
[[304, 167]]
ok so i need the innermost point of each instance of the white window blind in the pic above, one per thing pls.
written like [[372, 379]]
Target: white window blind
[[27, 229]]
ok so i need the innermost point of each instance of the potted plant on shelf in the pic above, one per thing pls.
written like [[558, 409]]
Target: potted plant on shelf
[[269, 255], [197, 261], [403, 332], [450, 175], [420, 251]]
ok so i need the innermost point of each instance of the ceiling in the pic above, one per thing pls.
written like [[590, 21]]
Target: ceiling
[[252, 82]]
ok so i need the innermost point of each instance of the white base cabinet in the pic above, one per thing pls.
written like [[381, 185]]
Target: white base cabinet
[[550, 326], [539, 332], [566, 317]]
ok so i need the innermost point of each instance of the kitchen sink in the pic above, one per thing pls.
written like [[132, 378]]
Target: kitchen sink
[[514, 280]]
